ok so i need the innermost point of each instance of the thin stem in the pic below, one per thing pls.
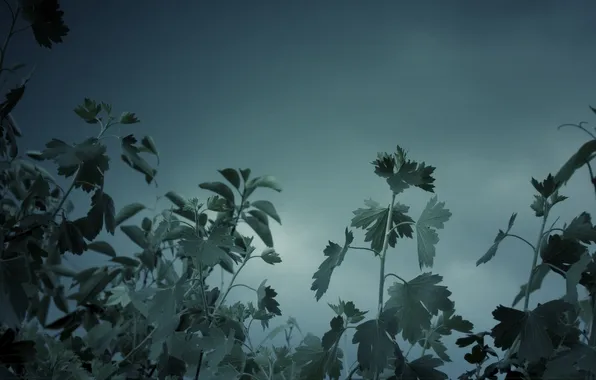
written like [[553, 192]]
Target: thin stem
[[382, 268]]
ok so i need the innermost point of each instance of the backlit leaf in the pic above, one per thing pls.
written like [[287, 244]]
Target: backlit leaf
[[102, 247], [417, 301], [128, 212], [335, 255], [219, 188], [492, 251], [268, 208], [433, 217], [136, 234]]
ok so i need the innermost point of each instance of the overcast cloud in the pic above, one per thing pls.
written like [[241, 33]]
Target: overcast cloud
[[310, 91]]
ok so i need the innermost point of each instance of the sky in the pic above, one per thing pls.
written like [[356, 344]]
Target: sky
[[310, 91]]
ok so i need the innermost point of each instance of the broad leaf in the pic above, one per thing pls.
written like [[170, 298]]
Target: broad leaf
[[128, 212], [417, 301], [433, 217], [335, 256]]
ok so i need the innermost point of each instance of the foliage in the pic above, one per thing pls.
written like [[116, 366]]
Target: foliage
[[142, 318]]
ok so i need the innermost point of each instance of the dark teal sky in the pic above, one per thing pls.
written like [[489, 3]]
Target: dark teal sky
[[310, 91]]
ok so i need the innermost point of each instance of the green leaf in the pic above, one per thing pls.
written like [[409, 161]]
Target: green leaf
[[433, 341], [270, 256], [135, 234], [433, 217], [219, 188], [547, 187], [401, 173], [231, 175], [531, 326], [261, 229], [61, 270], [566, 364], [573, 276], [149, 145], [47, 22], [375, 346], [131, 157], [264, 181], [268, 208], [492, 251], [314, 362], [335, 256], [128, 118], [129, 211], [245, 174], [102, 247], [266, 299], [176, 199], [581, 229], [424, 368], [417, 301], [209, 252], [584, 154]]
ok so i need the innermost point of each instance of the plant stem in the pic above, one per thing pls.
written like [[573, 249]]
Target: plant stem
[[536, 253], [384, 255]]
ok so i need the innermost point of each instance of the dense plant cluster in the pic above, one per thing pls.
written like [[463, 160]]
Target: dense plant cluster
[[141, 318]]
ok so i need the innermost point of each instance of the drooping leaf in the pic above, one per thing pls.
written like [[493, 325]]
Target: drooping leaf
[[47, 22], [176, 199], [492, 251], [270, 256], [130, 155], [219, 188], [260, 228], [376, 341], [581, 229], [433, 217], [335, 255], [268, 208], [128, 212], [532, 326], [266, 299], [424, 368], [149, 146], [231, 175], [102, 247], [417, 301], [265, 181], [136, 234], [584, 154]]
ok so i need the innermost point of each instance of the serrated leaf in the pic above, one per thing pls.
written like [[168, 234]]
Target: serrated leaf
[[492, 251], [581, 229], [231, 175], [433, 217], [210, 251], [47, 23], [128, 118], [268, 208], [531, 326], [417, 301], [128, 212], [270, 256], [102, 247], [374, 220], [335, 256], [424, 368], [376, 341], [266, 299]]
